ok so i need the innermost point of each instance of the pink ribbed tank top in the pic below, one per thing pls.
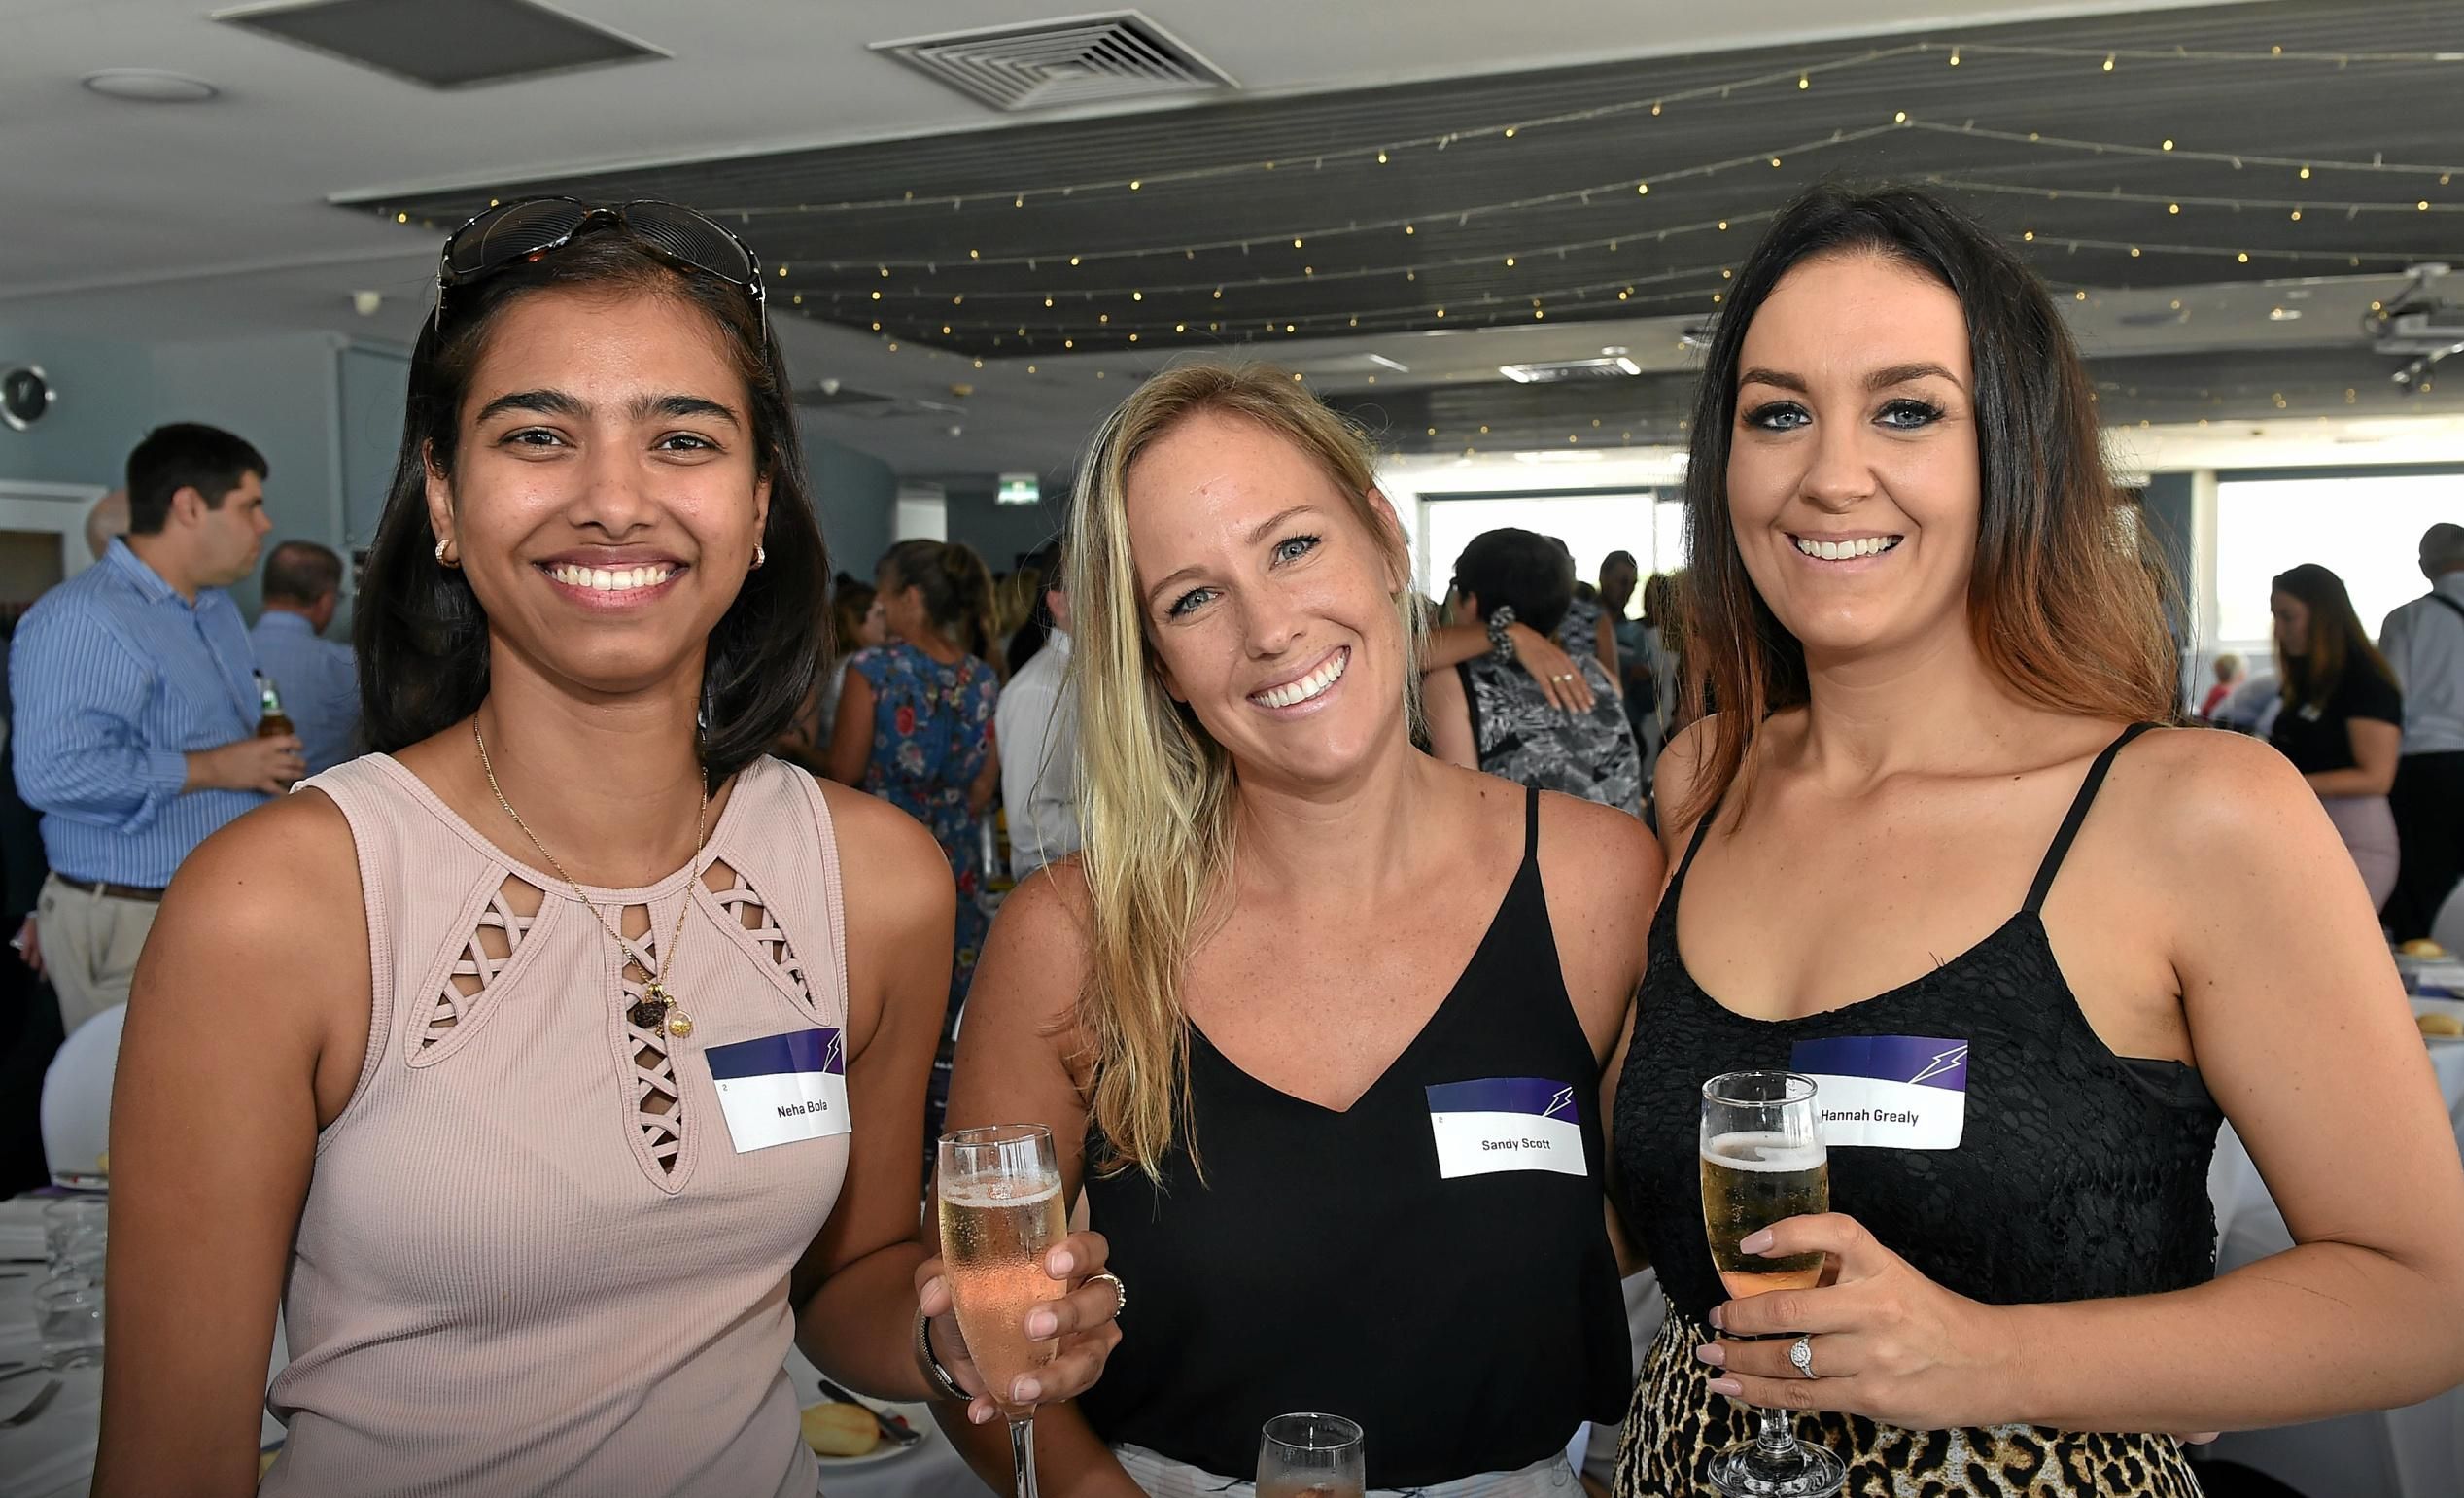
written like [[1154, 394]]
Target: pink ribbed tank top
[[531, 1261]]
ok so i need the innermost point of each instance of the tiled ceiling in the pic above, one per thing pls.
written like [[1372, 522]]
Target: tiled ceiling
[[2183, 136]]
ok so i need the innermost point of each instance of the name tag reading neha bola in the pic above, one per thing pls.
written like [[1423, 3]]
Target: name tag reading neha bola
[[1506, 1124], [780, 1089], [1900, 1092]]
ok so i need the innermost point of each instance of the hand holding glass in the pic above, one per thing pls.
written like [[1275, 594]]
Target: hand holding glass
[[1763, 1160], [1000, 1213]]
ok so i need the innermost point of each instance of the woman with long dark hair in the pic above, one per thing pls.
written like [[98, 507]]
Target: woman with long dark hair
[[562, 1061], [2342, 720], [1927, 835]]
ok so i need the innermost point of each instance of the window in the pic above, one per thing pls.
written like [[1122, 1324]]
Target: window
[[2365, 529], [1591, 524]]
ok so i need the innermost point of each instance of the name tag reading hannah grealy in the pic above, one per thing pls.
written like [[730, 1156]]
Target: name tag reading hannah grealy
[[1900, 1091], [780, 1089], [1506, 1124]]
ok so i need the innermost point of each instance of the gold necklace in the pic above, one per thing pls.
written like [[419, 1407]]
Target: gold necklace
[[659, 1008]]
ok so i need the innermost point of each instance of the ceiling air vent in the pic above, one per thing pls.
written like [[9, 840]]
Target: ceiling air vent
[[1077, 59], [1616, 367], [442, 44]]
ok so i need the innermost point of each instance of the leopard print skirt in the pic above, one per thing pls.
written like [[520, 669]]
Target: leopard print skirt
[[1675, 1424]]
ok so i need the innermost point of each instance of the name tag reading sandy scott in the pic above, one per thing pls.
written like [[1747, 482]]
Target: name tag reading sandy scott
[[780, 1089], [1506, 1124], [1900, 1091]]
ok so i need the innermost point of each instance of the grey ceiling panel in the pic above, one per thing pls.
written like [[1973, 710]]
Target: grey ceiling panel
[[443, 44], [960, 241]]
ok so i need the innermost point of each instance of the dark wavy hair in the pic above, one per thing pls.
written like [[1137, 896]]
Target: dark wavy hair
[[420, 636], [1521, 570], [2337, 643], [2066, 600]]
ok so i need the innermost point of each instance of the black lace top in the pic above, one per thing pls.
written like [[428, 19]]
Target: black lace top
[[2079, 1173]]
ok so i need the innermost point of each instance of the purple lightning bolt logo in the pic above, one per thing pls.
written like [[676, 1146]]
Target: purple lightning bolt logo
[[1563, 1102], [1943, 1061]]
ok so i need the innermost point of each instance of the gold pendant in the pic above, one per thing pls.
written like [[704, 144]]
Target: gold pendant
[[658, 1010]]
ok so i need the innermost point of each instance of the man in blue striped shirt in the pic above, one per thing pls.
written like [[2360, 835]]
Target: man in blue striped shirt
[[316, 678], [135, 708]]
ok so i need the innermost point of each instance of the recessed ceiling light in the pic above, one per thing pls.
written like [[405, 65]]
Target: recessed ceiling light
[[150, 85]]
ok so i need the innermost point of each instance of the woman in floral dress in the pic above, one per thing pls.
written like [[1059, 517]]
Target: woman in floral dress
[[915, 727]]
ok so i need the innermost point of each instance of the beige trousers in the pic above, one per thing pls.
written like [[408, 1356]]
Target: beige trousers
[[90, 947]]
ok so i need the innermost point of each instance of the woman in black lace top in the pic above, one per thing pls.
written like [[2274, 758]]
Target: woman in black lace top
[[2030, 951]]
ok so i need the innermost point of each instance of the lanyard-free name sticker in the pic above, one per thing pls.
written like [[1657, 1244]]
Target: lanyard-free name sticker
[[1506, 1124], [1900, 1092], [780, 1089]]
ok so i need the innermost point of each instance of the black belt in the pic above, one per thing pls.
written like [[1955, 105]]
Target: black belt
[[107, 889]]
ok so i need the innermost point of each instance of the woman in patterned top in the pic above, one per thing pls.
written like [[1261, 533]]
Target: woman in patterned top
[[1491, 715], [915, 727]]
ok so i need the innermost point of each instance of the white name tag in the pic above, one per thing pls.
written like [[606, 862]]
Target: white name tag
[[780, 1089], [1506, 1124], [1897, 1092]]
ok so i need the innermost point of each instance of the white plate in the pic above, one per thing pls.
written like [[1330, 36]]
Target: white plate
[[918, 1418]]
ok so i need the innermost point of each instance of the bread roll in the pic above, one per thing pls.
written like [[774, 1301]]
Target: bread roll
[[840, 1430], [2422, 947], [2440, 1024]]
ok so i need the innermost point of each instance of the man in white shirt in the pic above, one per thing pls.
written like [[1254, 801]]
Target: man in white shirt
[[2424, 642], [1036, 726]]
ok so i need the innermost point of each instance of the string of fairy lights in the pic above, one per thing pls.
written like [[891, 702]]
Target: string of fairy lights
[[923, 295]]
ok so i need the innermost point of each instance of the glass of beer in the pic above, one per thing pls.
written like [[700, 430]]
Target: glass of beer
[[1762, 1161], [1000, 1213], [1311, 1456]]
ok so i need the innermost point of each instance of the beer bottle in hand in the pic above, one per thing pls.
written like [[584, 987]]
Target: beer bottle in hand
[[271, 721]]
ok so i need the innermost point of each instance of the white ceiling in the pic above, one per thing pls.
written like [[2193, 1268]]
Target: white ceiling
[[166, 223]]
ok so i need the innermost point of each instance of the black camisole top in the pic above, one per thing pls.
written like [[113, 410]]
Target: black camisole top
[[1330, 1262], [2077, 1174]]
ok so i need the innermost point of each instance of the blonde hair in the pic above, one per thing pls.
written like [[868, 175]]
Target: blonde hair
[[1155, 789]]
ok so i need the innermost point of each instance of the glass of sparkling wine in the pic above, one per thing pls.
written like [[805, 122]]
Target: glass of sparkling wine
[[1311, 1456], [1762, 1161], [1000, 1213]]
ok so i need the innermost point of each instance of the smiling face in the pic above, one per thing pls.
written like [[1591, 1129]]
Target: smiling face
[[1267, 601], [1854, 482], [605, 499]]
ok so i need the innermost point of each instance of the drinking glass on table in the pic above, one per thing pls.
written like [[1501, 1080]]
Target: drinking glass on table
[[1762, 1161], [1311, 1456], [1000, 1213], [68, 1304]]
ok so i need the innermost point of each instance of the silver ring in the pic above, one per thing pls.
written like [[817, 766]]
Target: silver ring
[[1565, 675], [1119, 1291], [1801, 1353]]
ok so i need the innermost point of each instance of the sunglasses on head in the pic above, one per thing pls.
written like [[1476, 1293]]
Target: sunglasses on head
[[521, 233]]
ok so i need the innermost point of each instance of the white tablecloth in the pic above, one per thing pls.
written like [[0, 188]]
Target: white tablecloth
[[53, 1456], [2413, 1452]]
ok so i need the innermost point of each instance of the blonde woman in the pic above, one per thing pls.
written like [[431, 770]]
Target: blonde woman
[[1318, 1019]]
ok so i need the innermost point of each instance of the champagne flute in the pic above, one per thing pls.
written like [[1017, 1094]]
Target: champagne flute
[[1311, 1456], [1762, 1161], [1000, 1213]]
